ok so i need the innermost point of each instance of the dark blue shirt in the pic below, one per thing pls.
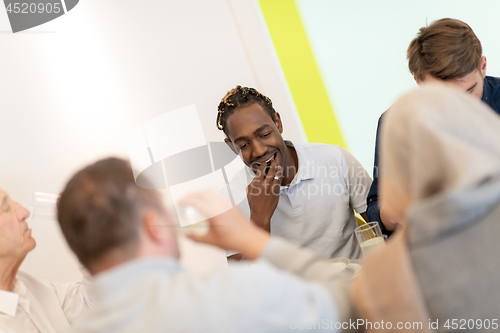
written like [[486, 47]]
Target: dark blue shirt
[[491, 96]]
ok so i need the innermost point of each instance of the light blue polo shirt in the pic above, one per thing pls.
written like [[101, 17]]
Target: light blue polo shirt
[[316, 210]]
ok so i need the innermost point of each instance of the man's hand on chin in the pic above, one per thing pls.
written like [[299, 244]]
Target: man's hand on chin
[[263, 194]]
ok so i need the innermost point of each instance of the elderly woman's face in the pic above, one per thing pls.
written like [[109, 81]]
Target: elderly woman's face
[[15, 236]]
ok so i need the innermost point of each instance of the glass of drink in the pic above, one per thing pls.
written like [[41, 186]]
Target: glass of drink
[[369, 237], [191, 221], [44, 207]]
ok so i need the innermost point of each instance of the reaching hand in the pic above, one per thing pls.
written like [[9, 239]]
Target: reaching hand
[[263, 194], [229, 230]]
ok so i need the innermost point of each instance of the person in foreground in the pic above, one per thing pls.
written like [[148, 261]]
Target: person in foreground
[[440, 175], [28, 304], [309, 192], [125, 237], [447, 52]]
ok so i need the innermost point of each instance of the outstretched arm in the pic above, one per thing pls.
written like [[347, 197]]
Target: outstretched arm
[[232, 231]]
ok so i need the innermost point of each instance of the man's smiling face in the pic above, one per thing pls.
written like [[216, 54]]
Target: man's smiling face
[[254, 135]]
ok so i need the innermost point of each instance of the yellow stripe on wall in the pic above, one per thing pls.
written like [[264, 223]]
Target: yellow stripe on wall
[[301, 71]]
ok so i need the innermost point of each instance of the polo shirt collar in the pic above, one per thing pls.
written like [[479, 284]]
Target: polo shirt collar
[[306, 165]]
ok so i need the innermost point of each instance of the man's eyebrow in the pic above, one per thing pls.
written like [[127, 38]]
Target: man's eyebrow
[[472, 87], [254, 132], [260, 128]]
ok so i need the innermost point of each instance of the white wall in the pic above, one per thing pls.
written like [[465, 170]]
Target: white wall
[[360, 47], [71, 90]]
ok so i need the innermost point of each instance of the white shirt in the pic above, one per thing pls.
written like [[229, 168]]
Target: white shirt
[[316, 209], [158, 295], [41, 307]]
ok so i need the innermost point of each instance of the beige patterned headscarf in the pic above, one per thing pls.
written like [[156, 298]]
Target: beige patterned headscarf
[[434, 139]]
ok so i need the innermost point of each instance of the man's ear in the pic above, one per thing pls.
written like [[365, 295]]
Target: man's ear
[[231, 145], [278, 122], [483, 66], [419, 82], [156, 226]]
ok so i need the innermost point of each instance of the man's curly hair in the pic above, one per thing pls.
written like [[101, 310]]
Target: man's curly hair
[[240, 97]]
